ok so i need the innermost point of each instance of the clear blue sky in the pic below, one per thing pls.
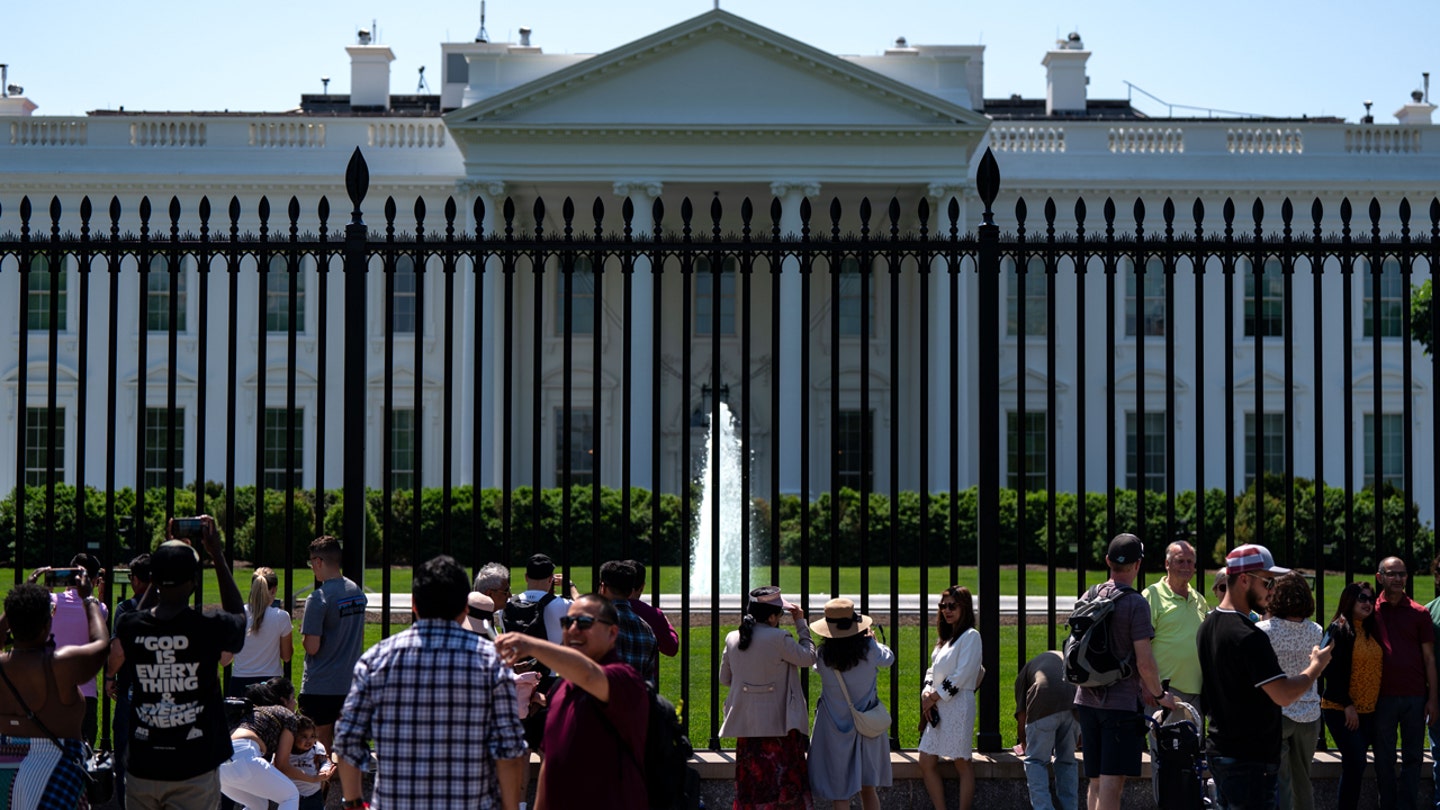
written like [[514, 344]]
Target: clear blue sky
[[1276, 57]]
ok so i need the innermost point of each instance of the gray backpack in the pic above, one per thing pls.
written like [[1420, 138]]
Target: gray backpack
[[1090, 657]]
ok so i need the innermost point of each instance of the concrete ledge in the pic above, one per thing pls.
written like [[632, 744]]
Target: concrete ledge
[[906, 765]]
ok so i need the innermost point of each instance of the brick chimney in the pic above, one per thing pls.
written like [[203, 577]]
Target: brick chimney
[[369, 74], [1065, 79]]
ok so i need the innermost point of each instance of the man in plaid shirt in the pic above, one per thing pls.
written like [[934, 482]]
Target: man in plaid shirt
[[636, 643], [439, 706]]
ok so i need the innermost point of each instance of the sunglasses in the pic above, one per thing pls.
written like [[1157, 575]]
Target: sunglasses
[[580, 622], [1269, 581], [949, 606], [1364, 597]]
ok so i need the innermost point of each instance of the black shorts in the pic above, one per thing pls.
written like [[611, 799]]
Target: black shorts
[[1113, 740], [323, 709]]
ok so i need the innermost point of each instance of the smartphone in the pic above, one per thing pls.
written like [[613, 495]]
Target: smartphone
[[188, 528], [934, 716], [62, 577]]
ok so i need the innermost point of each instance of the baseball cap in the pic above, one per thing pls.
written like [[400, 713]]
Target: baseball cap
[[175, 562], [539, 567], [1125, 549], [1250, 558]]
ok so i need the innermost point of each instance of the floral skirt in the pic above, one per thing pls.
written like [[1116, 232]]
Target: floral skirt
[[771, 773]]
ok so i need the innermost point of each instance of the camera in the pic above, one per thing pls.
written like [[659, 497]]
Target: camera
[[188, 529], [62, 577]]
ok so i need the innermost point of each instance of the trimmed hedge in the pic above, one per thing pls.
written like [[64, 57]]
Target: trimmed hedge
[[833, 526]]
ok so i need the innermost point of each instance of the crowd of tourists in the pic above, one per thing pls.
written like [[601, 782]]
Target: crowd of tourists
[[448, 712]]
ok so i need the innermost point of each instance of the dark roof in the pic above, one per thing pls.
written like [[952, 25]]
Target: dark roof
[[1013, 108], [406, 106]]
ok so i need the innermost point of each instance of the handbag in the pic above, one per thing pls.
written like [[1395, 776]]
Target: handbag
[[98, 767], [872, 722]]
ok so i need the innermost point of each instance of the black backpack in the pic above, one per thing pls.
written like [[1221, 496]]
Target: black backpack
[[670, 782], [1090, 658], [524, 616]]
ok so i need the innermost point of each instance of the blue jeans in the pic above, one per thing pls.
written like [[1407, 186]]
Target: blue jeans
[[1054, 735], [1244, 784], [1352, 746], [1408, 715]]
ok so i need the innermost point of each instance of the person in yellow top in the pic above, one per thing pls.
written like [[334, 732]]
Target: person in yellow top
[[1351, 685], [1176, 611]]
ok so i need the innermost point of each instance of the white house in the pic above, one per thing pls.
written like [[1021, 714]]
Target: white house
[[714, 107]]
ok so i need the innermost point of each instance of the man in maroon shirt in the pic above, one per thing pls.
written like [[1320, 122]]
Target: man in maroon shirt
[[594, 744], [1407, 686], [667, 641]]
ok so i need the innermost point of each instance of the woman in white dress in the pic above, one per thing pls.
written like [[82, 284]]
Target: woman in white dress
[[947, 704]]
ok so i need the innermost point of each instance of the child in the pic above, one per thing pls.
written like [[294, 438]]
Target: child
[[310, 759]]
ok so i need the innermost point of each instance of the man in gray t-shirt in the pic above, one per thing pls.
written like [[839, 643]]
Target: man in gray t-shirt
[[1110, 716], [334, 634]]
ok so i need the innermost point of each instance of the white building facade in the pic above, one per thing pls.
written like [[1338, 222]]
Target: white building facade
[[713, 108]]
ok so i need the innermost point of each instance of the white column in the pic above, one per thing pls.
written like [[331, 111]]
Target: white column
[[792, 322], [937, 295], [490, 192], [642, 194]]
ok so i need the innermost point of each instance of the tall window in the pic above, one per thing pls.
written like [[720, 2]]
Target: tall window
[[1155, 426], [580, 462], [1271, 447], [158, 295], [1392, 298], [404, 301], [279, 425], [855, 450], [582, 299], [157, 448], [1153, 322], [402, 449], [44, 285], [854, 304], [37, 446], [1032, 450], [1265, 311], [712, 316], [277, 296], [1033, 298], [1392, 449]]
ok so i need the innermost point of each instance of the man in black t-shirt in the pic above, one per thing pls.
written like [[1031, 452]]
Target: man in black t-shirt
[[170, 653], [1243, 686]]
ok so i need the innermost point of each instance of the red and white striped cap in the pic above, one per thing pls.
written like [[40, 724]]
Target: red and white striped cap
[[1250, 557]]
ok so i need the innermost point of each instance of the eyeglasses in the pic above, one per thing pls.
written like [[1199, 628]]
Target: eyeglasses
[[580, 622], [1364, 597], [1394, 574]]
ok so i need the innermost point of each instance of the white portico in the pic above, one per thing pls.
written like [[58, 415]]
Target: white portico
[[717, 107]]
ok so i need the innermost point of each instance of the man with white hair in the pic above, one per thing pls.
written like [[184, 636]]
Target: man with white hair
[[1176, 611], [493, 580]]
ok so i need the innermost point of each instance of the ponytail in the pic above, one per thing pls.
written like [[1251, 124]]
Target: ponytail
[[262, 593], [747, 631]]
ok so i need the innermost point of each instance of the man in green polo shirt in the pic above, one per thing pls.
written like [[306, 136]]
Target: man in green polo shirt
[[1176, 611]]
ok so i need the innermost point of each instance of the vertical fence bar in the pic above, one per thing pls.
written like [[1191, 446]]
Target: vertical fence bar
[[54, 425], [1347, 336], [1383, 545], [322, 343], [447, 396], [1082, 500], [1317, 309], [1020, 472], [419, 260], [388, 527], [718, 390], [1170, 418], [1198, 261], [1228, 268], [263, 257], [988, 185], [1287, 331], [1052, 526], [833, 262], [357, 183], [85, 257], [1110, 260], [142, 365], [1255, 324], [22, 398], [1406, 379]]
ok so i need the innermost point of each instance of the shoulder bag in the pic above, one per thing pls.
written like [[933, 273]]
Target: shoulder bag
[[872, 722], [98, 767]]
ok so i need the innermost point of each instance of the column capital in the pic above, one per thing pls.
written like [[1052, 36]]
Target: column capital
[[476, 186], [943, 190], [804, 188], [649, 189]]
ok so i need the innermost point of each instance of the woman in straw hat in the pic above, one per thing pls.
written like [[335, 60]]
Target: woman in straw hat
[[843, 761], [765, 710], [947, 704]]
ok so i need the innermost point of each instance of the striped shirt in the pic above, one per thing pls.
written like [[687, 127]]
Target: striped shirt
[[441, 709]]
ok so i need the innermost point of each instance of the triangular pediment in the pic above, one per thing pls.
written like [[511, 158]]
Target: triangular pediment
[[716, 72]]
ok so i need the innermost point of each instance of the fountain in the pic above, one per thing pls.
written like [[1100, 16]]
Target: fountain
[[734, 512]]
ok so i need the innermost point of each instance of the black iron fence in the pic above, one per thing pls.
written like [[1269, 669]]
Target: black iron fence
[[532, 383]]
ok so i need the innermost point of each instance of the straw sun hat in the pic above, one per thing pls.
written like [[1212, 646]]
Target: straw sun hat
[[841, 620]]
